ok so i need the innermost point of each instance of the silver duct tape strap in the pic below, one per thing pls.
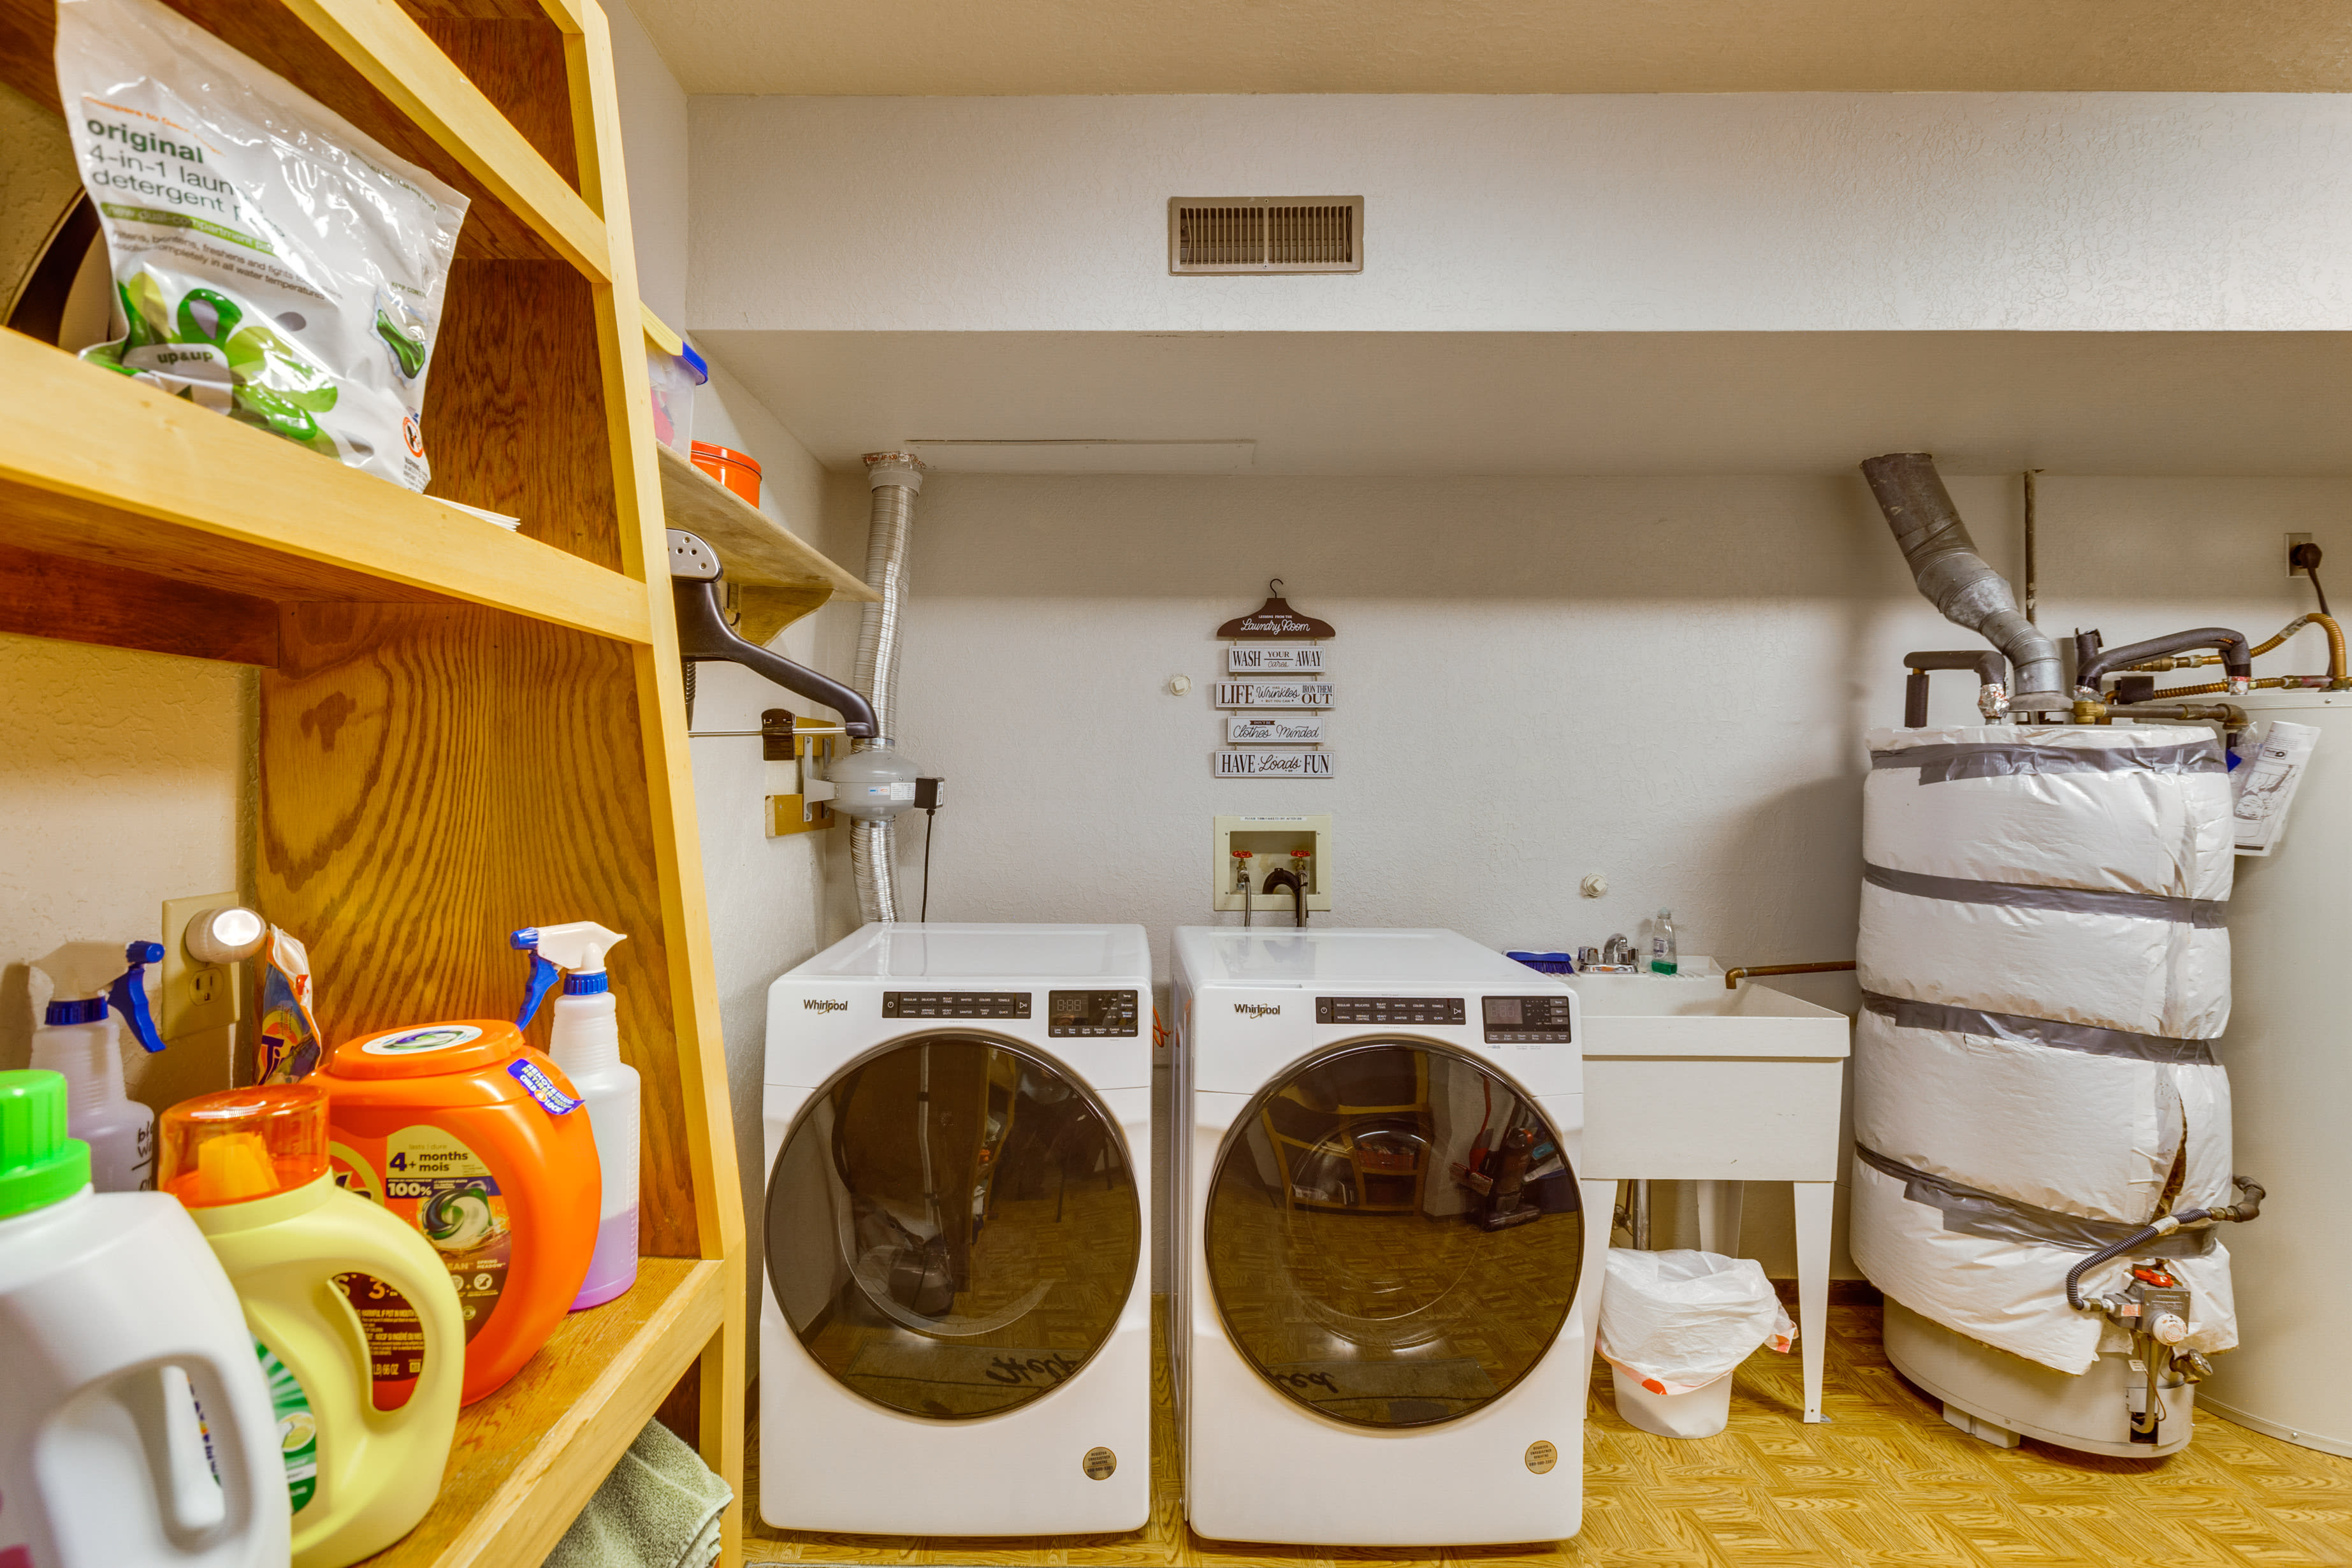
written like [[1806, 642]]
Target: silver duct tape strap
[[1971, 1211], [2206, 914], [2006, 758], [2019, 1029]]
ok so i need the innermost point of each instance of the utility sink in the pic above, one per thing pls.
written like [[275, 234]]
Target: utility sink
[[1684, 1080], [1655, 1015]]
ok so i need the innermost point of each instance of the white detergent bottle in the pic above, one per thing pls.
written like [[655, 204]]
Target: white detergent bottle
[[112, 1312], [585, 1042], [78, 1038]]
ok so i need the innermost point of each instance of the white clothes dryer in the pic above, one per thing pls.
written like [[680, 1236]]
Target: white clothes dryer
[[1388, 1260], [956, 1335]]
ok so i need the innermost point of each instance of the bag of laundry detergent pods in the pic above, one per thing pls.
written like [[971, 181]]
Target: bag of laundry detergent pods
[[271, 262]]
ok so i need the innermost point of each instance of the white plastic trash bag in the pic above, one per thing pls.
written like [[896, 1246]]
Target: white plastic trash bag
[[1679, 1320]]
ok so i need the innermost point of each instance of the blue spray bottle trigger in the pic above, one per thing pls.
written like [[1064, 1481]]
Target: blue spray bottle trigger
[[128, 993], [544, 974]]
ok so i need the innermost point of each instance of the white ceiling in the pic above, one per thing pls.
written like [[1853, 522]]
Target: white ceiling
[[1549, 403], [917, 47]]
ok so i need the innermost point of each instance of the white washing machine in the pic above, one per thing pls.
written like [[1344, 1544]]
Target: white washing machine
[[956, 1336], [1387, 1275]]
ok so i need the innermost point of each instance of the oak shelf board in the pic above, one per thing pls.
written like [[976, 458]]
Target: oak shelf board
[[756, 550], [99, 466], [528, 1458]]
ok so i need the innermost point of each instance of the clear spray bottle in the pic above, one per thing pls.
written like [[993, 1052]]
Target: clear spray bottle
[[95, 982], [585, 1043], [1665, 952]]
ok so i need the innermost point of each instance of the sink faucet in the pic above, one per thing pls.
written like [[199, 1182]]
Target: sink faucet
[[1283, 877]]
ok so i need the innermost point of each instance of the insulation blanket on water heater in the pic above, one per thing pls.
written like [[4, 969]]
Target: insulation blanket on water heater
[[2044, 967]]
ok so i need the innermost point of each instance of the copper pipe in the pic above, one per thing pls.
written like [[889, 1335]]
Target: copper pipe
[[1732, 977], [2228, 714]]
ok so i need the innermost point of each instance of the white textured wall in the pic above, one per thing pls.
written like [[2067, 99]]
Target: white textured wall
[[127, 780], [1666, 680], [1758, 212], [654, 136], [127, 776]]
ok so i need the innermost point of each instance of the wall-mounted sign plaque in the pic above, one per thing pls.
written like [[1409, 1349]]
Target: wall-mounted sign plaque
[[1272, 658], [1275, 728], [1275, 619], [1271, 764], [1269, 694]]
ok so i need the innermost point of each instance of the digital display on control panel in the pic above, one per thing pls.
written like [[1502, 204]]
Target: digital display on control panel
[[1426, 1010], [1529, 1020], [955, 1003], [1085, 1012]]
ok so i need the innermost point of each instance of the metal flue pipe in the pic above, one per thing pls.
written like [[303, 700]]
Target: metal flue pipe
[[1957, 580], [894, 478]]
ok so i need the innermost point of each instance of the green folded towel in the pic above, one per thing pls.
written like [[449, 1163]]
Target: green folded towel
[[658, 1509]]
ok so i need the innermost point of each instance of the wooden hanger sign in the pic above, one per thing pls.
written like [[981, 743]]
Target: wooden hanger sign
[[1275, 619]]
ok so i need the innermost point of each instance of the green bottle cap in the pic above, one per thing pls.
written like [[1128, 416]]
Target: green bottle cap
[[40, 1165]]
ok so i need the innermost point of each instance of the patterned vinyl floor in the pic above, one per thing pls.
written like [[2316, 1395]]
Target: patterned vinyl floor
[[1883, 1483]]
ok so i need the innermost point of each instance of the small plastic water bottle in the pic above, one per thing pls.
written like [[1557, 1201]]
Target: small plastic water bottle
[[1662, 958]]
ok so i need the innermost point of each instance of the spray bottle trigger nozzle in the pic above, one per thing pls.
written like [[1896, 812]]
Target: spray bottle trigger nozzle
[[127, 994], [544, 974]]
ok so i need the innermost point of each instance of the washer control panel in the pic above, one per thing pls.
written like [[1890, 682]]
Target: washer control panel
[[1392, 1010], [955, 1003], [1529, 1020], [1087, 1013]]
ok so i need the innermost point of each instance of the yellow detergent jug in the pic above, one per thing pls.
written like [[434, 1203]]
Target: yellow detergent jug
[[343, 1301]]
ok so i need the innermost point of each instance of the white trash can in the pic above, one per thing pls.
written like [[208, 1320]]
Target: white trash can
[[1675, 1325], [1700, 1412]]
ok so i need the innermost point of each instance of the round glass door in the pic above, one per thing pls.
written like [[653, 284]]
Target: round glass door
[[952, 1226], [1394, 1235]]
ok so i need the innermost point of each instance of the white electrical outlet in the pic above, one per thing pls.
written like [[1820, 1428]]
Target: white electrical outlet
[[193, 995], [2292, 540]]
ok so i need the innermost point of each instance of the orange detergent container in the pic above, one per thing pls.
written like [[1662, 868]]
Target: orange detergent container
[[479, 1142]]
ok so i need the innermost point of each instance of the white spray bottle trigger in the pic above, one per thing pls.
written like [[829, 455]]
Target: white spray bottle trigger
[[88, 975], [575, 949]]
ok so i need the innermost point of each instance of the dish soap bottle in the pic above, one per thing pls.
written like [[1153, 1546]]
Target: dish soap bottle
[[78, 1038], [113, 1315], [250, 1166], [1663, 953], [585, 1041], [476, 1140]]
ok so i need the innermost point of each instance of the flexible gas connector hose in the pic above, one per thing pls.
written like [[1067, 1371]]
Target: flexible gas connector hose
[[2165, 1226]]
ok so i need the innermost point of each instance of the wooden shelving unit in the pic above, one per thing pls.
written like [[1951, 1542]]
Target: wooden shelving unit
[[778, 575], [463, 731]]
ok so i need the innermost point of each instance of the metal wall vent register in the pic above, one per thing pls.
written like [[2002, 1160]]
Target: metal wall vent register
[[1266, 234]]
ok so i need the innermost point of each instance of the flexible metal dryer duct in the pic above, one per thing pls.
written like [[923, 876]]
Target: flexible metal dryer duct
[[1944, 563], [894, 478]]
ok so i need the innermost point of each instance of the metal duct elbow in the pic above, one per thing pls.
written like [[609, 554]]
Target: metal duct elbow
[[894, 478], [1957, 580]]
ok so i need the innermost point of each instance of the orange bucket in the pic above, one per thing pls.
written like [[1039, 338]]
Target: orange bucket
[[479, 1142], [730, 467]]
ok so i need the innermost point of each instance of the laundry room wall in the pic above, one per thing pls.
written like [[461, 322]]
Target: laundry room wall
[[1665, 680], [1761, 212], [128, 778]]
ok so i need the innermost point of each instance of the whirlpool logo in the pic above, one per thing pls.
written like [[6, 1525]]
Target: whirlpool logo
[[821, 1004], [1257, 1009]]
